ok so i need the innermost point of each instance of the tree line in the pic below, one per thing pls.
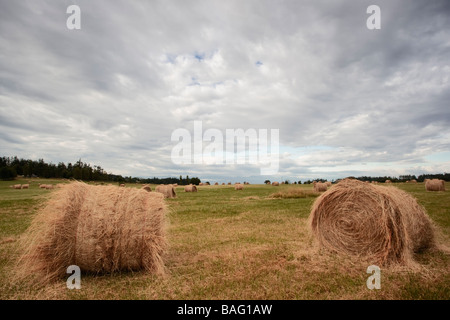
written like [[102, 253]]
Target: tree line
[[11, 167]]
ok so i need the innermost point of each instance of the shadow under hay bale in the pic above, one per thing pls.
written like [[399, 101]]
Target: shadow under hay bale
[[101, 229], [384, 224]]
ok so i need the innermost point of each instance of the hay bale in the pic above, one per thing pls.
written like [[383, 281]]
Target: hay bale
[[229, 183], [239, 187], [122, 185], [167, 190], [320, 187], [276, 183], [101, 229], [223, 183], [190, 188], [435, 185], [413, 181], [48, 186], [25, 186], [17, 186], [200, 184], [388, 181], [385, 224], [328, 183], [216, 184], [147, 188]]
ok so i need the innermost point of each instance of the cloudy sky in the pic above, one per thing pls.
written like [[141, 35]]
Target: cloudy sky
[[346, 100]]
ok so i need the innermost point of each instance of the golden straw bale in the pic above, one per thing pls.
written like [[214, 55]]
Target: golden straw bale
[[167, 190], [435, 185], [239, 187], [385, 224], [101, 229], [190, 188]]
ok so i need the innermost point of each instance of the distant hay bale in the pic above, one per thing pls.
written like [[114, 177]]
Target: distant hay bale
[[25, 186], [435, 185], [239, 187], [122, 185], [147, 188], [328, 183], [101, 229], [282, 182], [374, 182], [320, 187], [388, 181], [190, 188], [413, 181], [167, 190], [48, 186], [216, 184], [384, 224], [200, 184], [229, 183], [276, 183], [17, 186], [223, 183], [42, 186]]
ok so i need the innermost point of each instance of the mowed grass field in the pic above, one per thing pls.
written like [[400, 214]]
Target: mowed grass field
[[227, 244]]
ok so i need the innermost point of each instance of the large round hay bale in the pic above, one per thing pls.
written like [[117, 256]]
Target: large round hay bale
[[101, 229], [190, 188], [167, 190], [276, 183], [328, 183], [320, 187], [385, 224], [435, 185], [239, 187]]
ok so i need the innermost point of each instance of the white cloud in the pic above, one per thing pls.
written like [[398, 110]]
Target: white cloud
[[113, 92]]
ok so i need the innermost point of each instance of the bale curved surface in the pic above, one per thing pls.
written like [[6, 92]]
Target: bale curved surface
[[167, 190], [320, 187], [385, 224], [101, 229], [435, 185], [190, 188]]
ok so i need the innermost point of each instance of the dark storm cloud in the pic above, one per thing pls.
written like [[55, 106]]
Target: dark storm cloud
[[115, 90]]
